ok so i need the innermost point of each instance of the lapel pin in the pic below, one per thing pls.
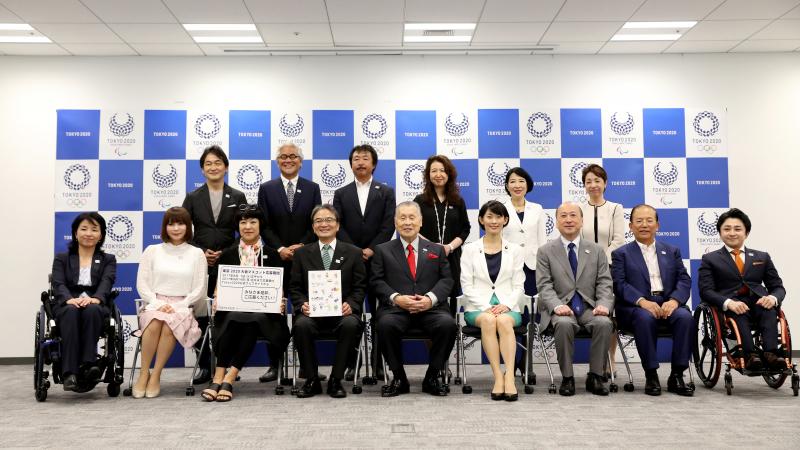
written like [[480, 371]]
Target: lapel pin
[[587, 251], [377, 187], [97, 261], [227, 195], [750, 254], [663, 252], [425, 249], [299, 191]]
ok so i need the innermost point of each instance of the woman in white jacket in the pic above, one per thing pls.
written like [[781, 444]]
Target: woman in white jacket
[[492, 284]]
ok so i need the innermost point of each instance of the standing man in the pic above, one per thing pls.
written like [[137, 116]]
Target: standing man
[[327, 254], [366, 211], [575, 290], [212, 207], [411, 279], [287, 203], [651, 287]]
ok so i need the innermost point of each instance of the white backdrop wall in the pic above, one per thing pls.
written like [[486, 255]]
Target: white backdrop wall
[[761, 93]]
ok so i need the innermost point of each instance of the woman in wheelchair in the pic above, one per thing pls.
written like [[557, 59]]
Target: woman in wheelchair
[[235, 333], [493, 282], [82, 282], [171, 279], [744, 283]]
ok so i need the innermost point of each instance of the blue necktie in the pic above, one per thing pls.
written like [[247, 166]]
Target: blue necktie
[[577, 302]]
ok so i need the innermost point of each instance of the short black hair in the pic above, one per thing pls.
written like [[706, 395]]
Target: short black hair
[[246, 211], [365, 148], [494, 207], [94, 218], [734, 213], [519, 171], [643, 205], [596, 169], [215, 150]]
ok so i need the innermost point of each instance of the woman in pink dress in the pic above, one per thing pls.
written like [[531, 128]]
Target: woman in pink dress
[[171, 281]]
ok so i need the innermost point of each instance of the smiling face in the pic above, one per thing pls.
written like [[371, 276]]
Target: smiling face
[[325, 225], [88, 234], [517, 186], [176, 231], [438, 175], [214, 168], [289, 161], [249, 230], [408, 221], [493, 223], [362, 165], [733, 233], [594, 185], [644, 224], [569, 220]]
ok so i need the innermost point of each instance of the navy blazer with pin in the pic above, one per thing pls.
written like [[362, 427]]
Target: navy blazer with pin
[[719, 278], [66, 273], [632, 280], [287, 227], [346, 258]]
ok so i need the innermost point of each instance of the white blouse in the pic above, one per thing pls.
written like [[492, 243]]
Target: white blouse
[[610, 226], [173, 271]]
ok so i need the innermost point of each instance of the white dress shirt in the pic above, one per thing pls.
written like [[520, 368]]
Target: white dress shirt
[[651, 260], [565, 243], [286, 181], [362, 189], [415, 246], [332, 244]]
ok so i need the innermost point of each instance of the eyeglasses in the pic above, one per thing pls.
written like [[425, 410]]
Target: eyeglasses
[[325, 220], [247, 208], [291, 157]]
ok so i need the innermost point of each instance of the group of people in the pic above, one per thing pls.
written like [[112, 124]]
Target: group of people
[[583, 278]]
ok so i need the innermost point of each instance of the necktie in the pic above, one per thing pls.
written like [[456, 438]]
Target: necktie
[[737, 257], [577, 302], [326, 256], [412, 262], [290, 194]]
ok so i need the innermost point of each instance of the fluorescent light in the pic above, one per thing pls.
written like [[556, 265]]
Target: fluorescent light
[[24, 40], [219, 27], [646, 37], [437, 38], [15, 27], [640, 25], [440, 26], [228, 39]]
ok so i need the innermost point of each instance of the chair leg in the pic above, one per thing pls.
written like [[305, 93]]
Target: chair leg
[[629, 386], [129, 390], [552, 388]]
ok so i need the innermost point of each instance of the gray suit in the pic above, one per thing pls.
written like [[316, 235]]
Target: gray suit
[[557, 285]]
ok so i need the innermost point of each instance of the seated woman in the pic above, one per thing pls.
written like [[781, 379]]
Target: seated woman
[[82, 281], [492, 281], [171, 280], [744, 283], [235, 333]]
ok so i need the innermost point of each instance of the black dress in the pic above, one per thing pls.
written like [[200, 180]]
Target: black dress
[[455, 222]]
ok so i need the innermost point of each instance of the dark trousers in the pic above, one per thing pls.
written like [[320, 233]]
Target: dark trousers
[[392, 325], [235, 346], [645, 332], [80, 330], [766, 321], [306, 329]]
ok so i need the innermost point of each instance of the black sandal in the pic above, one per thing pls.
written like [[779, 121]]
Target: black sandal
[[225, 397], [206, 394]]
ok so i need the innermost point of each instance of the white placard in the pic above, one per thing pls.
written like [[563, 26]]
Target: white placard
[[249, 289], [325, 293]]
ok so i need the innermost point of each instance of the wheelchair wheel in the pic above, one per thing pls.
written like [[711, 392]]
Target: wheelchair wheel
[[776, 380], [707, 351], [40, 383], [119, 351]]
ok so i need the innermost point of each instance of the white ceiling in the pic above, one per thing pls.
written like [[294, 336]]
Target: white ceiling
[[291, 27]]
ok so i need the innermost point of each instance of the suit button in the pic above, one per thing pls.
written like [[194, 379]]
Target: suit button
[[492, 287], [522, 244]]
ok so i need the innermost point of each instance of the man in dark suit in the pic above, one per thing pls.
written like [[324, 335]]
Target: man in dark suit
[[651, 287], [366, 211], [212, 207], [744, 283], [327, 254], [411, 279], [287, 202]]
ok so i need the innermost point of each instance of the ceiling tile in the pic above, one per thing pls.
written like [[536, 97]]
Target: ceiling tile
[[443, 10], [683, 46], [7, 16], [51, 11], [127, 11], [288, 11], [32, 49], [77, 33], [578, 48], [527, 33], [161, 33], [367, 34], [593, 10], [635, 47], [752, 9], [661, 10], [520, 10], [284, 33], [100, 49], [581, 31], [793, 14], [365, 11], [167, 49], [780, 29], [774, 45], [209, 11], [724, 30]]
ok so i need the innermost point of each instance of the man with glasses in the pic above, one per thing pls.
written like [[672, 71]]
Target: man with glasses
[[329, 254], [287, 203], [212, 207]]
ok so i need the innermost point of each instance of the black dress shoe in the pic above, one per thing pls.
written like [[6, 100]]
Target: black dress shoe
[[774, 362], [567, 388], [335, 388], [434, 386], [395, 388], [511, 397], [349, 374], [70, 382], [595, 385], [93, 374], [310, 388], [753, 363], [302, 374], [652, 386], [203, 376], [676, 385], [498, 396], [270, 375]]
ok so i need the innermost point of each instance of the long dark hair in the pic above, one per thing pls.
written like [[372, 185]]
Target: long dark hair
[[451, 194], [94, 218]]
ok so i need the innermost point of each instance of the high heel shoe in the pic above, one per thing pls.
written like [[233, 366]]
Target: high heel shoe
[[152, 393], [498, 396], [136, 393]]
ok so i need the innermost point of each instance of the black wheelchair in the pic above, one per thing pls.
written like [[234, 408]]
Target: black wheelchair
[[47, 350], [714, 330]]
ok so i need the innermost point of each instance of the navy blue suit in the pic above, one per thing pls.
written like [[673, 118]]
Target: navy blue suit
[[632, 282]]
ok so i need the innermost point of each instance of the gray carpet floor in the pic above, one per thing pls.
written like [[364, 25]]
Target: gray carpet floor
[[754, 416]]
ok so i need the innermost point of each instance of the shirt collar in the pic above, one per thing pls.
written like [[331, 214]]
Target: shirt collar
[[566, 243], [414, 243], [332, 244], [645, 248], [286, 180], [730, 249], [365, 184]]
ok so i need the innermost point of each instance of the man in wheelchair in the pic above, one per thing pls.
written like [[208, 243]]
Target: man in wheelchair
[[744, 284]]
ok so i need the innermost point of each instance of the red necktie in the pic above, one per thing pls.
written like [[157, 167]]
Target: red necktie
[[412, 262], [737, 257]]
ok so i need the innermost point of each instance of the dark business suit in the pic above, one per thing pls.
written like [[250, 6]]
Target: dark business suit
[[719, 280], [390, 275], [81, 327], [632, 282], [346, 258]]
